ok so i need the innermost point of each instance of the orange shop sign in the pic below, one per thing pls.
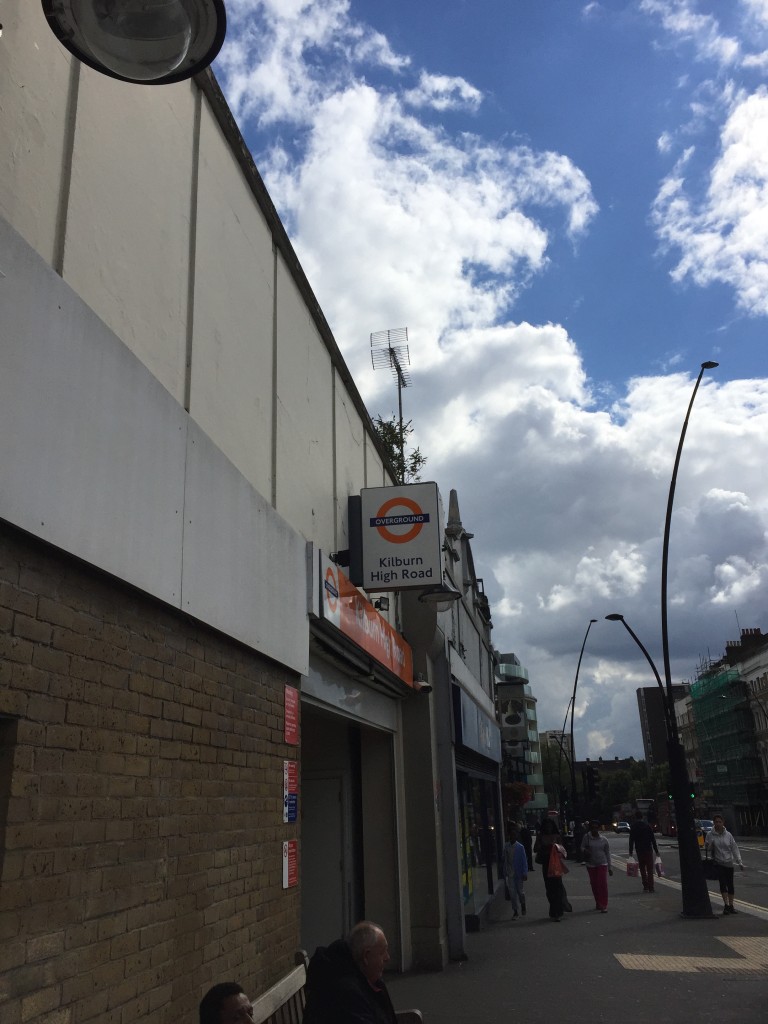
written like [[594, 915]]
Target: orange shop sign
[[349, 611]]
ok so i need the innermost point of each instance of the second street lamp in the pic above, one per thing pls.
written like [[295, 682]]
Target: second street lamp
[[696, 902], [573, 708]]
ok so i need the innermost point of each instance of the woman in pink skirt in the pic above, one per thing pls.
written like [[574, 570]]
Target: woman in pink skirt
[[597, 857]]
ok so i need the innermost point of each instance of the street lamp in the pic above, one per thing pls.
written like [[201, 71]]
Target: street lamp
[[695, 893], [572, 706], [694, 887], [696, 901], [149, 42]]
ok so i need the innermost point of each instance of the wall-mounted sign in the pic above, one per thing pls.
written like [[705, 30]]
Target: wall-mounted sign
[[342, 604], [290, 791], [290, 863], [402, 537], [291, 715]]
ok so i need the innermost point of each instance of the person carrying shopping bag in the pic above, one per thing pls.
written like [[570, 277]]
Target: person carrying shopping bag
[[642, 839], [551, 855], [597, 857]]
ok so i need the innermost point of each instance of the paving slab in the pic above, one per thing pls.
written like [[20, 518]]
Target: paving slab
[[641, 962]]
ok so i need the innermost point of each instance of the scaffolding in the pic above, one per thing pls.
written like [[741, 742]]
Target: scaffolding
[[725, 729]]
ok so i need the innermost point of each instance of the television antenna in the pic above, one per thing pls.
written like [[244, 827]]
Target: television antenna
[[390, 348]]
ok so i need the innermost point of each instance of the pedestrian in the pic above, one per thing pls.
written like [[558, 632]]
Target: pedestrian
[[642, 839], [721, 846], [597, 857], [551, 868], [515, 870]]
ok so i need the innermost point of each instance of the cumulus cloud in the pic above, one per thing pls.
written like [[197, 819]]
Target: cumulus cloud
[[403, 212], [443, 92], [723, 235], [683, 20]]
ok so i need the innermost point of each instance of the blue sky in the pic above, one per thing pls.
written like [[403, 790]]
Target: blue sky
[[566, 203]]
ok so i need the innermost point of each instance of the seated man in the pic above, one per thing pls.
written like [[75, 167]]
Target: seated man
[[226, 1003], [344, 983]]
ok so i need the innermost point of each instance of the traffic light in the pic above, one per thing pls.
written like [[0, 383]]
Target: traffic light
[[693, 792]]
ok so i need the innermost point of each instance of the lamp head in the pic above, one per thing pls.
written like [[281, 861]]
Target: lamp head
[[441, 595], [615, 617], [709, 365], [149, 42]]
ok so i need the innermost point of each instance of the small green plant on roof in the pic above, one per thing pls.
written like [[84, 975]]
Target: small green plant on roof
[[407, 464]]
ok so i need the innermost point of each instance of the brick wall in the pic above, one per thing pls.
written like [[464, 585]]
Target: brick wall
[[142, 848]]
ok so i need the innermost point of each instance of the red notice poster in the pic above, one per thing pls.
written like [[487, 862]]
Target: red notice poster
[[291, 715], [290, 863]]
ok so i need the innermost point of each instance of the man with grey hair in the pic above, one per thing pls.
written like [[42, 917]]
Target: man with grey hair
[[344, 980]]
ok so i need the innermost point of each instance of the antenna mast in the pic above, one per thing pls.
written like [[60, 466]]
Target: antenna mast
[[390, 348]]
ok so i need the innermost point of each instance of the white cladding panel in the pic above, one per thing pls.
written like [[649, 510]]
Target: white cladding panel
[[98, 459], [327, 685], [231, 391], [127, 241], [34, 76], [350, 460], [91, 445], [304, 418], [245, 569]]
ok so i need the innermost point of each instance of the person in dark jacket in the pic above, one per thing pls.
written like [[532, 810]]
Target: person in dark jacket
[[643, 841], [549, 835], [344, 980]]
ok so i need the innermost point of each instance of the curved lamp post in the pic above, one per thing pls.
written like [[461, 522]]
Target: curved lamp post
[[696, 901], [150, 42], [573, 708]]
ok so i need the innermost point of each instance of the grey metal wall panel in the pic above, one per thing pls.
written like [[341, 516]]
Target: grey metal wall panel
[[91, 445], [244, 566]]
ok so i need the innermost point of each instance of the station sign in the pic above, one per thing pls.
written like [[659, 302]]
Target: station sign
[[402, 537]]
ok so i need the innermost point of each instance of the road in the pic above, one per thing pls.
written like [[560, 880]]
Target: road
[[751, 884]]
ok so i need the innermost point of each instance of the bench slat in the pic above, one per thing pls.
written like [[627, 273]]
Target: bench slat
[[288, 989]]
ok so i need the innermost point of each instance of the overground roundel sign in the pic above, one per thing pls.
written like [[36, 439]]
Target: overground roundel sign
[[331, 589], [385, 523]]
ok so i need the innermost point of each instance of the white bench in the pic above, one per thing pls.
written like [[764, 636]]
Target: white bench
[[284, 1002]]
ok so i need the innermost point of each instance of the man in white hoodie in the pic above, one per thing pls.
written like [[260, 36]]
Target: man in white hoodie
[[722, 848]]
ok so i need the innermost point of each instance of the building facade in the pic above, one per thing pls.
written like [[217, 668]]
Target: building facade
[[650, 706], [521, 743], [729, 713], [202, 770]]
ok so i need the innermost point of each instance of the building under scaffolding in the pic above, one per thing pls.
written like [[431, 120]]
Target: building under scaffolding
[[723, 712]]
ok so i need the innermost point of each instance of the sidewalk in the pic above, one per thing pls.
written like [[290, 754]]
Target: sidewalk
[[640, 962]]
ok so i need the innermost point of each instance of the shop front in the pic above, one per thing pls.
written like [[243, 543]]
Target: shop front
[[477, 757], [352, 820]]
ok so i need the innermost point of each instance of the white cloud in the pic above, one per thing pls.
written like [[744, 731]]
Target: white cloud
[[723, 236], [400, 219], [683, 21], [443, 92]]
